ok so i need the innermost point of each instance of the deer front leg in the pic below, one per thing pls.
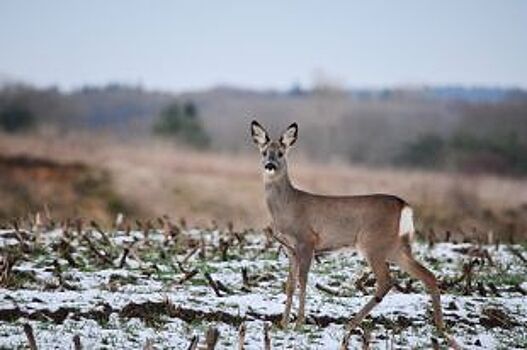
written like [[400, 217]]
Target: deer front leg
[[305, 256], [290, 288]]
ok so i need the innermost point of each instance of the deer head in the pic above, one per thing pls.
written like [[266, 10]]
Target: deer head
[[273, 152]]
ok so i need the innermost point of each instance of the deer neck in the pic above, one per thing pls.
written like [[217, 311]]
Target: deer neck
[[279, 194]]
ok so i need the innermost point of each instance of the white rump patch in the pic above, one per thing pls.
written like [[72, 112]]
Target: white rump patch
[[406, 222]]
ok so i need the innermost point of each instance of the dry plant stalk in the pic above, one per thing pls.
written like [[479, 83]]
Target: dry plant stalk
[[212, 284], [435, 344], [203, 248], [101, 256], [212, 338], [223, 287], [366, 338], [494, 289], [327, 290], [224, 247], [30, 336], [6, 265], [241, 336], [189, 255], [245, 278], [126, 251], [267, 336], [344, 344], [188, 275], [104, 236], [517, 254], [77, 345], [359, 283], [149, 345], [193, 343]]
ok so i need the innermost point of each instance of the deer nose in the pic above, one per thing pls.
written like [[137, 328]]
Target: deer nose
[[270, 166]]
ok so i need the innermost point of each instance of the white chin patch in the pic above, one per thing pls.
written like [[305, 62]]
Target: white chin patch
[[269, 171]]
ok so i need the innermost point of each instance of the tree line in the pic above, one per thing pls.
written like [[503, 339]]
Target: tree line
[[395, 127]]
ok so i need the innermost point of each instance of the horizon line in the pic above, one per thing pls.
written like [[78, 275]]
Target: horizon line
[[6, 81]]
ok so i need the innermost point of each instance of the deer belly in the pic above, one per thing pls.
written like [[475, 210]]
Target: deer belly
[[333, 238]]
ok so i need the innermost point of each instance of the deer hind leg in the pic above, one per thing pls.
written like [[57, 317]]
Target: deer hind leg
[[290, 287], [384, 284], [305, 256], [407, 262]]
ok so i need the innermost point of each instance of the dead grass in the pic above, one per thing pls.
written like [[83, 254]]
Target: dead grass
[[161, 178], [33, 184]]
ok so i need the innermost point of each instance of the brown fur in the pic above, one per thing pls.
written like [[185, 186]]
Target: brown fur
[[312, 222]]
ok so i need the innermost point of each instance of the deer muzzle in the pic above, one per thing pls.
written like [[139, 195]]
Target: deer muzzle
[[270, 167]]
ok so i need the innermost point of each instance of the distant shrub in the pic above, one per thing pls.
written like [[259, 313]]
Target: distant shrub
[[500, 153], [16, 118], [426, 151], [503, 153], [182, 122]]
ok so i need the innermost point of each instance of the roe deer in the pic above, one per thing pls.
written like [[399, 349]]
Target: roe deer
[[379, 226]]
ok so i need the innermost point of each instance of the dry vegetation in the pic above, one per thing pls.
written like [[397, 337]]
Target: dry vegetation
[[160, 282], [30, 184], [160, 178], [159, 285]]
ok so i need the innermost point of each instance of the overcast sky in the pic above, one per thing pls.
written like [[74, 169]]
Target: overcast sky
[[180, 45]]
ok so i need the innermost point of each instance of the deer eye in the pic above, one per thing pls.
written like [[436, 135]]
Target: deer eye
[[264, 153], [280, 154]]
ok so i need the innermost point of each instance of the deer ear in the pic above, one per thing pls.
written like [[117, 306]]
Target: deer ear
[[259, 134], [289, 137]]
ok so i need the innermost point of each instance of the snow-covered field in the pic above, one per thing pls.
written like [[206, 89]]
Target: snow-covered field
[[128, 290]]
